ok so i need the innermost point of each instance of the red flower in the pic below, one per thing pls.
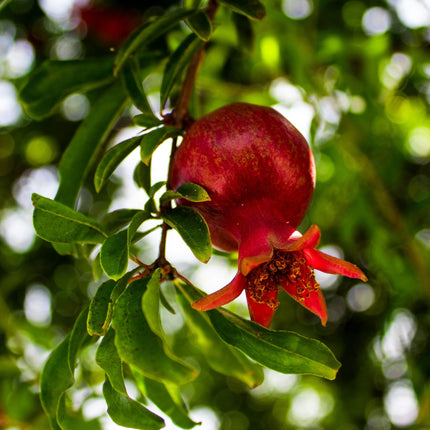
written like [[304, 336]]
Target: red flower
[[285, 261]]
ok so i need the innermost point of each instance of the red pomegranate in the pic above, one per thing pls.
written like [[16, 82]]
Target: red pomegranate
[[260, 175]]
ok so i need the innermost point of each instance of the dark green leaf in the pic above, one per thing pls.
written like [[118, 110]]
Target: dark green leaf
[[142, 176], [147, 121], [112, 159], [283, 351], [56, 222], [100, 308], [193, 192], [245, 33], [193, 229], [129, 413], [151, 140], [149, 32], [86, 142], [201, 25], [51, 82], [171, 405], [114, 255], [131, 78], [222, 357], [108, 359], [139, 346], [251, 8], [57, 374], [177, 64]]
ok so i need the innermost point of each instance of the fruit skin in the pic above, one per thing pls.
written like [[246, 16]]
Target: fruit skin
[[260, 175], [255, 165]]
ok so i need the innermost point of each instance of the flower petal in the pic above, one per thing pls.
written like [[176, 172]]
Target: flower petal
[[262, 313], [223, 296], [326, 263], [310, 239], [313, 300], [253, 251]]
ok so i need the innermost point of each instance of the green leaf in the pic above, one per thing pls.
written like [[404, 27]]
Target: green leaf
[[86, 142], [150, 141], [115, 220], [193, 229], [108, 359], [193, 192], [142, 176], [57, 374], [283, 351], [112, 159], [171, 405], [100, 308], [146, 120], [52, 81], [201, 25], [115, 250], [131, 78], [245, 33], [76, 421], [56, 222], [129, 413], [139, 346], [251, 8], [177, 64], [222, 357], [148, 33], [114, 255]]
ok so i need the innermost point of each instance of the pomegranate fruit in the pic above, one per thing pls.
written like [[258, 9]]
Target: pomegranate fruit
[[260, 175]]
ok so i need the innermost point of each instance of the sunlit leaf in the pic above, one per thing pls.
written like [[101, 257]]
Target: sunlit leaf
[[100, 306], [52, 81], [139, 346], [86, 142], [251, 8], [129, 413], [151, 140], [193, 192], [192, 228], [177, 64], [149, 32], [108, 359], [56, 222], [222, 357], [112, 159], [283, 351]]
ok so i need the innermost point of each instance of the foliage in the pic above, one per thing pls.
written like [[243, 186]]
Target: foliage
[[359, 93]]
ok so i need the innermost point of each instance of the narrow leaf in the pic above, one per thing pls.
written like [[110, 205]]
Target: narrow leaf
[[129, 413], [201, 25], [163, 399], [52, 81], [193, 229], [74, 420], [112, 159], [283, 351], [139, 346], [146, 120], [86, 142], [251, 8], [100, 307], [149, 32], [115, 220], [108, 359], [131, 78], [177, 64], [78, 337], [222, 357], [56, 222], [142, 176], [150, 141]]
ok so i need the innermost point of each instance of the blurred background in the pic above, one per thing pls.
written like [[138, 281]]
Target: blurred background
[[354, 77]]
